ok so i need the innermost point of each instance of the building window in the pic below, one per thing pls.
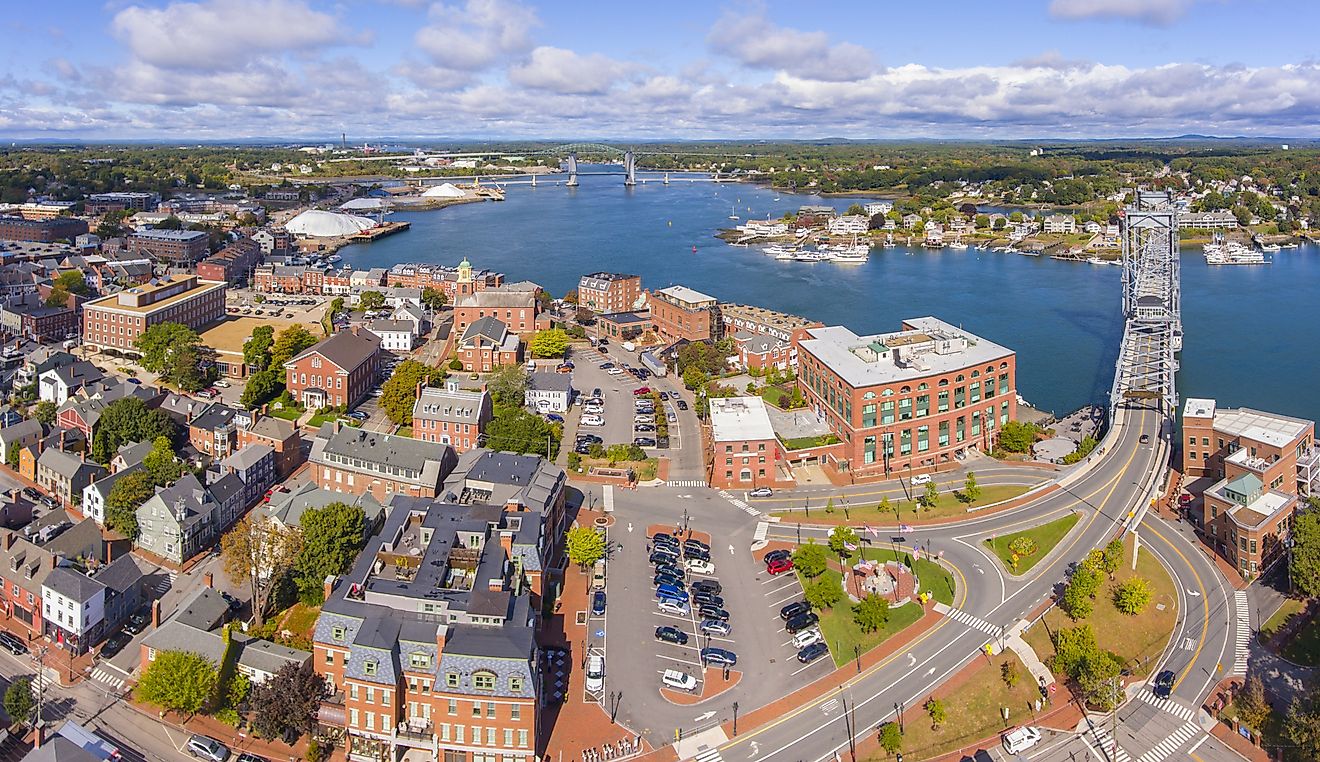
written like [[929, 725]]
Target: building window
[[923, 438], [369, 668], [483, 681], [515, 686], [451, 679], [419, 660], [453, 708], [905, 442], [868, 415], [943, 401], [923, 405], [868, 452], [887, 412]]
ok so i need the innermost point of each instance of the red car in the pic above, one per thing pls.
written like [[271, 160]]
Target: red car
[[639, 391], [779, 565]]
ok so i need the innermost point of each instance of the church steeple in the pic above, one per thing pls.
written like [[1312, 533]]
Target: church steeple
[[465, 283]]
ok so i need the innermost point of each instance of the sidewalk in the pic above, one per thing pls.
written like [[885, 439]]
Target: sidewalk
[[239, 741]]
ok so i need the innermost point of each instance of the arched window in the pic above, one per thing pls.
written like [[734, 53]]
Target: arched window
[[905, 390]]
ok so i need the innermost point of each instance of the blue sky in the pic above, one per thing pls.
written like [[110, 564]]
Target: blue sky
[[229, 69]]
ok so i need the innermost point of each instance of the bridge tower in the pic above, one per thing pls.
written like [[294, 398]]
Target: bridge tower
[[1152, 303], [572, 170], [629, 169]]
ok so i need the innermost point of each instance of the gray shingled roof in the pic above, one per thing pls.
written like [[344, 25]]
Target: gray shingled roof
[[247, 457], [345, 349], [265, 656], [205, 611], [175, 635], [487, 327], [73, 585], [121, 574], [548, 381]]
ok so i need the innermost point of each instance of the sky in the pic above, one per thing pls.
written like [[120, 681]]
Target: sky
[[673, 69]]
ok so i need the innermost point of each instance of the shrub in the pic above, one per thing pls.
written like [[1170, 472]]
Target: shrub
[[823, 593], [810, 559], [1008, 671], [1132, 596], [1023, 546]]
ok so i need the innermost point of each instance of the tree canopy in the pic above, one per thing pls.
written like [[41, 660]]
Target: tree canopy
[[585, 545], [19, 700], [840, 538], [810, 559], [871, 613], [331, 538], [128, 493], [1016, 436], [175, 351], [399, 391], [549, 343], [371, 300], [258, 552], [128, 420], [287, 703], [256, 350], [515, 429], [178, 680], [1305, 561], [507, 385], [161, 464], [433, 299], [262, 387], [288, 344], [823, 592]]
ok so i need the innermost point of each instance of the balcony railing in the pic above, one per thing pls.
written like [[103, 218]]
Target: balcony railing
[[414, 730]]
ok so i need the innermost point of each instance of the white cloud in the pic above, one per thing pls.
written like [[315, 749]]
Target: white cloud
[[564, 71], [224, 34], [756, 42], [477, 35], [1160, 12]]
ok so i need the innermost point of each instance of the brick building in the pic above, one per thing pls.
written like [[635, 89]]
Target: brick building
[[745, 452], [41, 231], [442, 279], [117, 320], [779, 329], [134, 201], [908, 400], [232, 264], [354, 461], [23, 567], [487, 344], [182, 248], [609, 292], [679, 312], [453, 416], [280, 435], [340, 370], [1263, 465]]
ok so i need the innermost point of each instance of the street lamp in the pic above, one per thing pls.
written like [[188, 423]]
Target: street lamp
[[735, 718]]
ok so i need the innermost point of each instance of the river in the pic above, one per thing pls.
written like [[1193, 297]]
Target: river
[[1250, 332]]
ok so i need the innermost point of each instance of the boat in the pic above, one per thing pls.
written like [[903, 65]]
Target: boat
[[1288, 246], [776, 198], [889, 241], [1222, 252], [1270, 247], [781, 252], [334, 258], [852, 253], [957, 245], [813, 256], [733, 213]]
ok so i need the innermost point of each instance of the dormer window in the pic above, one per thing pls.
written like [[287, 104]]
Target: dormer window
[[515, 684], [316, 361], [369, 668], [419, 660], [483, 681], [338, 632]]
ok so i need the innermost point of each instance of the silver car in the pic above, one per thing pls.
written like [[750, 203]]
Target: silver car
[[206, 747]]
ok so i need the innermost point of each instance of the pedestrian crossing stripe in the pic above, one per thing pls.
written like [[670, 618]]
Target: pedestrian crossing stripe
[[101, 675], [740, 504], [970, 620], [709, 755], [685, 483], [1111, 750], [1170, 706], [1242, 635], [1174, 742]]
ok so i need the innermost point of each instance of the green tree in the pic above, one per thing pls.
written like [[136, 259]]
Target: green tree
[[332, 536], [399, 392], [810, 559], [289, 344], [256, 350], [823, 593], [971, 490], [1072, 647], [695, 378], [161, 343], [170, 223], [11, 455], [1008, 672], [982, 221], [72, 282], [507, 385], [1302, 725], [1132, 595], [1086, 579], [287, 703], [45, 412], [1099, 680], [371, 300], [259, 552], [337, 305], [551, 343], [514, 429], [1016, 436], [871, 613], [456, 364], [891, 738], [1252, 707], [128, 492], [585, 546], [19, 700], [937, 711], [128, 420], [840, 538], [161, 465], [1076, 603], [262, 387], [1304, 564], [930, 499], [433, 299], [181, 681], [885, 507]]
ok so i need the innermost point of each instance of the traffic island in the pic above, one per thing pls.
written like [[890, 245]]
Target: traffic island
[[1020, 551], [712, 685]]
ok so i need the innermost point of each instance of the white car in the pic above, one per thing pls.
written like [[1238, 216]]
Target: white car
[[806, 638], [678, 680], [595, 673], [698, 566], [220, 382], [1021, 739], [616, 371], [673, 607], [644, 419], [592, 420], [920, 480]]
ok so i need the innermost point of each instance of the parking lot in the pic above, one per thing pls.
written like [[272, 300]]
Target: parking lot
[[619, 421]]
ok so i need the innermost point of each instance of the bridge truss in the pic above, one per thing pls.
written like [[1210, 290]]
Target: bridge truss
[[1152, 304]]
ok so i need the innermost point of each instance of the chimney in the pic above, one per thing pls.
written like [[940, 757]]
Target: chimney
[[53, 560], [39, 735], [8, 539], [506, 542], [155, 613], [208, 580], [330, 582], [420, 384]]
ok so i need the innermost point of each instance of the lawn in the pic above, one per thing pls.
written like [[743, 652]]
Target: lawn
[[934, 579], [776, 395], [300, 619], [802, 443], [1046, 537], [842, 634], [320, 418], [1304, 647], [906, 510], [1138, 640], [287, 413], [972, 709]]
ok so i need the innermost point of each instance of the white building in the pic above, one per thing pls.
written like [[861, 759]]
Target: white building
[[849, 224], [549, 392], [72, 605], [1060, 223], [395, 335], [878, 207]]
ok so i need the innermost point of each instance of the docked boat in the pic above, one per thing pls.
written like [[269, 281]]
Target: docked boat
[[813, 256], [1271, 247], [957, 246], [781, 252], [1222, 252]]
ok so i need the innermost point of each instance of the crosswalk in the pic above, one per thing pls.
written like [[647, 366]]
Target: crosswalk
[[1185, 732], [1170, 706], [685, 483], [102, 676], [975, 622], [740, 503], [1108, 748], [709, 755], [1243, 634]]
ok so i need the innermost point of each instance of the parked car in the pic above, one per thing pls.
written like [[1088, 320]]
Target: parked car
[[715, 627], [779, 566], [639, 391], [595, 673], [812, 652], [664, 556], [115, 644], [672, 592], [663, 537], [801, 622], [12, 644], [793, 609], [598, 603], [707, 598], [665, 578], [713, 612], [682, 405], [1164, 684], [710, 585], [696, 554], [358, 415], [136, 623], [761, 492], [677, 608], [718, 656], [590, 439], [1020, 739], [592, 419], [205, 747], [671, 635], [644, 428], [644, 441], [554, 418], [778, 553], [597, 393], [700, 566], [678, 680], [691, 544], [806, 638], [223, 384]]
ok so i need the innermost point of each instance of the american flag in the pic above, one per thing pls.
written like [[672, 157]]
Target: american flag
[[871, 530]]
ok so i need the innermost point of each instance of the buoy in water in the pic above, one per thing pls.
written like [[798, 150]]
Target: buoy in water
[[694, 249], [671, 223]]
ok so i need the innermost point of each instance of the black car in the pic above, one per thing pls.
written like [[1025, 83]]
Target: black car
[[669, 547], [1164, 684], [1145, 439], [682, 405], [598, 603], [663, 537], [668, 579], [115, 644], [136, 623], [812, 652], [719, 656], [671, 635], [644, 441], [596, 392], [234, 603], [669, 569], [709, 585], [713, 612], [12, 644], [705, 598], [696, 554], [781, 553], [589, 439], [250, 757], [662, 556], [664, 395], [582, 448], [698, 544], [800, 622], [793, 609]]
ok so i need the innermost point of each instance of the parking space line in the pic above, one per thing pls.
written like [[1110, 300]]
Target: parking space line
[[781, 600], [791, 583], [675, 658], [807, 666]]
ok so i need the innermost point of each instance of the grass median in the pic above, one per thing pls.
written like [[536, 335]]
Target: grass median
[[903, 510], [1043, 537]]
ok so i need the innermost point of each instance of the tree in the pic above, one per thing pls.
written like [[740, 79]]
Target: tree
[[810, 559], [1076, 603], [931, 497], [1016, 436], [1133, 595], [891, 738], [695, 378], [1072, 647], [971, 490], [45, 412], [262, 387], [19, 700], [161, 465], [128, 492], [1099, 680], [507, 385], [551, 343], [128, 420], [258, 552], [178, 680], [331, 538], [399, 392], [1087, 579], [938, 713], [433, 299], [287, 703], [871, 613], [515, 429], [371, 300], [256, 350], [585, 546], [160, 343], [885, 507], [823, 593], [337, 305], [1304, 564], [982, 221], [456, 364], [1253, 708], [1008, 672], [841, 537], [289, 344], [1302, 725], [170, 223]]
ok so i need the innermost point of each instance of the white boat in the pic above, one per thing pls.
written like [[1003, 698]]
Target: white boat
[[733, 213], [780, 252], [813, 256], [1221, 252], [958, 246], [1271, 247]]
